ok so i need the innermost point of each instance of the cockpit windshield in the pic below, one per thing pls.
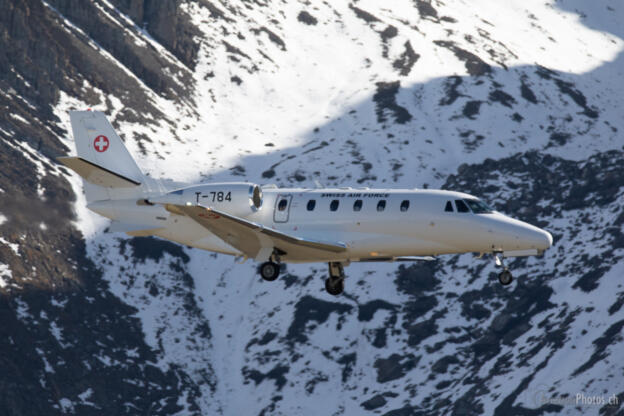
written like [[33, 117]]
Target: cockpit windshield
[[478, 207]]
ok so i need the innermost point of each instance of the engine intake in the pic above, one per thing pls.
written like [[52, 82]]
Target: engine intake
[[255, 197]]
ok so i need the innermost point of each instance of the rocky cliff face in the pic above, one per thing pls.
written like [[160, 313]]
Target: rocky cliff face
[[521, 107], [63, 334]]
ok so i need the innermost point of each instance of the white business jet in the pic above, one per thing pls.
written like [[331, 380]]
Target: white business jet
[[291, 225]]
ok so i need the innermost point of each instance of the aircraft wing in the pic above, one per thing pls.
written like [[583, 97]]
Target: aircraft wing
[[253, 239], [133, 230], [415, 258], [391, 259]]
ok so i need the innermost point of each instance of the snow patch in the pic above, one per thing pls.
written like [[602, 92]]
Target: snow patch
[[47, 367], [58, 334], [107, 361], [19, 118], [85, 396], [67, 406], [42, 164], [13, 246], [22, 309], [5, 275], [58, 304]]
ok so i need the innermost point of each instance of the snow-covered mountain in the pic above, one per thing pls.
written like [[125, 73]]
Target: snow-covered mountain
[[520, 103]]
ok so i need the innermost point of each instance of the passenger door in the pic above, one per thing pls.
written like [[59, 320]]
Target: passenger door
[[282, 208]]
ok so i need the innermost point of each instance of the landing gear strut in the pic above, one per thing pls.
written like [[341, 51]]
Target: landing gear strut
[[334, 284], [505, 278]]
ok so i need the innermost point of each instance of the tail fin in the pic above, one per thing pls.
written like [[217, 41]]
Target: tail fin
[[103, 161]]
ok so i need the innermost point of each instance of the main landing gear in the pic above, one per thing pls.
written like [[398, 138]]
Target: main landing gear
[[505, 278], [269, 270], [334, 284]]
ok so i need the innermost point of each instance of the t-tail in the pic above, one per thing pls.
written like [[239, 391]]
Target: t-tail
[[108, 169]]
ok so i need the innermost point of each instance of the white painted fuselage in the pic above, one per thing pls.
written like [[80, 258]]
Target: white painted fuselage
[[389, 223]]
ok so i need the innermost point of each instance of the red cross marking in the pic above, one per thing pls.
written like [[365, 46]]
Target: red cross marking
[[101, 143], [210, 215]]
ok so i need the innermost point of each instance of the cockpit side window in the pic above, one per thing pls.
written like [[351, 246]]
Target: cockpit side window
[[478, 207], [449, 207], [461, 206]]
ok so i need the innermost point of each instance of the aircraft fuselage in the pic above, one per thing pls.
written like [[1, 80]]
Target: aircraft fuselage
[[374, 224]]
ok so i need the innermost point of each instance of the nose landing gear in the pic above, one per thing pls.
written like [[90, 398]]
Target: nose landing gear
[[505, 278], [334, 284]]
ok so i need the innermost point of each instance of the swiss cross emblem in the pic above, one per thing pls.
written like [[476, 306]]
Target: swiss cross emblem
[[210, 215], [101, 143]]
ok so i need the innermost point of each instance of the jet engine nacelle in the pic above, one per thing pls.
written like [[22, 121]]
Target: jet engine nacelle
[[236, 198]]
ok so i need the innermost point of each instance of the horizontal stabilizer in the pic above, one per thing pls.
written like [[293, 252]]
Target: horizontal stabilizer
[[95, 174]]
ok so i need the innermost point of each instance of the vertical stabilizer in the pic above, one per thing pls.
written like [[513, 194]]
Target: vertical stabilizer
[[98, 144]]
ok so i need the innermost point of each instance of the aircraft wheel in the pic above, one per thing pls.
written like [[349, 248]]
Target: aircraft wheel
[[334, 286], [269, 271], [505, 277]]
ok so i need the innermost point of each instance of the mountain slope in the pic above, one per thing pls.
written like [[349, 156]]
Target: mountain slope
[[517, 103]]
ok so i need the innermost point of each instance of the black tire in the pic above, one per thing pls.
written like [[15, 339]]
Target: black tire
[[334, 286], [269, 271], [505, 278]]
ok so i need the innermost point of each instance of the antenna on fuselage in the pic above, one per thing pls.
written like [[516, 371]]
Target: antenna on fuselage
[[318, 184]]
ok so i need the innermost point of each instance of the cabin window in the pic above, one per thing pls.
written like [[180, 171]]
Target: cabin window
[[357, 205], [311, 205], [334, 205], [282, 205], [449, 207], [461, 206], [404, 205], [381, 205]]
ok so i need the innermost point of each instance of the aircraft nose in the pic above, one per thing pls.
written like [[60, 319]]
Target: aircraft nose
[[533, 237], [544, 240]]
